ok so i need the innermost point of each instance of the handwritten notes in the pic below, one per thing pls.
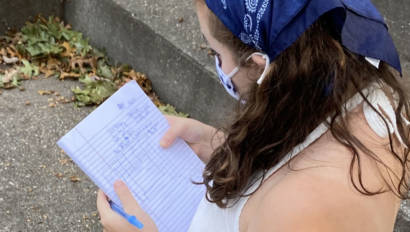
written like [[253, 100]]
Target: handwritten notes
[[120, 140]]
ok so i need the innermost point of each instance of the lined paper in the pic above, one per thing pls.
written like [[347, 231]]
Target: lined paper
[[120, 140]]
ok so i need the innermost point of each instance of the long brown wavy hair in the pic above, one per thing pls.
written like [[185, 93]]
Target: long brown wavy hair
[[308, 83]]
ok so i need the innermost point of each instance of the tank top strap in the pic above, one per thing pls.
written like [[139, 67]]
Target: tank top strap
[[382, 119]]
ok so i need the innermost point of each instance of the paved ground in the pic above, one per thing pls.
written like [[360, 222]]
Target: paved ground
[[36, 193]]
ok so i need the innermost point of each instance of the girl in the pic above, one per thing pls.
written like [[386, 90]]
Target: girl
[[320, 138]]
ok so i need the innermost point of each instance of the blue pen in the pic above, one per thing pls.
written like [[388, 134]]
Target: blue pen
[[131, 219]]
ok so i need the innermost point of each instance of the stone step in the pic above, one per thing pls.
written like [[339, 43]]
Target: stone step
[[161, 39]]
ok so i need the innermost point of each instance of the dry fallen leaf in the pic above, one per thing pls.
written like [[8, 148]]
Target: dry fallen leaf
[[10, 60], [154, 98], [72, 75], [83, 64], [141, 79], [12, 52], [203, 46], [53, 63], [47, 72], [170, 110], [75, 179], [45, 92], [3, 52], [10, 79], [211, 52], [65, 161], [69, 51], [59, 175], [62, 99], [52, 48]]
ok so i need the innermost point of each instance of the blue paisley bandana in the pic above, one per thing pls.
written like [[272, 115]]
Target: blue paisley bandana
[[273, 25]]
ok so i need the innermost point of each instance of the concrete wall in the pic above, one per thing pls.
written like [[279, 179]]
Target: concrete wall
[[14, 13], [177, 77], [397, 16]]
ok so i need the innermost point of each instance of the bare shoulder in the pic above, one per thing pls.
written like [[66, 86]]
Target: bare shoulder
[[378, 170], [320, 196], [307, 202]]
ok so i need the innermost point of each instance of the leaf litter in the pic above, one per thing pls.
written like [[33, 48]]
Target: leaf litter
[[49, 47]]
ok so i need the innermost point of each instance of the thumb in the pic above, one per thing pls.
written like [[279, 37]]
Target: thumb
[[169, 138], [172, 133], [128, 202]]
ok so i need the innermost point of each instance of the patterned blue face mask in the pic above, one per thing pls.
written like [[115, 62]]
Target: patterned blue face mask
[[226, 79]]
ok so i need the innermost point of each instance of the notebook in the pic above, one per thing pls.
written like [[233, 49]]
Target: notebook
[[120, 140]]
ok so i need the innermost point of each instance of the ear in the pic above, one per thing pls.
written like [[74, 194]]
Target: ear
[[263, 62], [259, 60]]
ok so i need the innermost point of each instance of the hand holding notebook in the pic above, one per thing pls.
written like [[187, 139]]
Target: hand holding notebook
[[120, 141], [115, 219]]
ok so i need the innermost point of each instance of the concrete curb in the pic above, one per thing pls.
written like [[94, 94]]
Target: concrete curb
[[15, 13], [178, 78]]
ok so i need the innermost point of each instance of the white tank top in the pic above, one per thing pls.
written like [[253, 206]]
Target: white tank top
[[209, 217]]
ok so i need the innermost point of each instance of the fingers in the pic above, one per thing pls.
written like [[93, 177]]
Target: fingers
[[173, 132], [128, 202], [104, 209], [110, 220], [102, 203], [169, 138]]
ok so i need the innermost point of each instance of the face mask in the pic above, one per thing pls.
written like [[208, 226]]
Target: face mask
[[226, 79]]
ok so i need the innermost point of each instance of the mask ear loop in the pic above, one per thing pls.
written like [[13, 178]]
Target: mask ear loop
[[232, 73], [265, 71]]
